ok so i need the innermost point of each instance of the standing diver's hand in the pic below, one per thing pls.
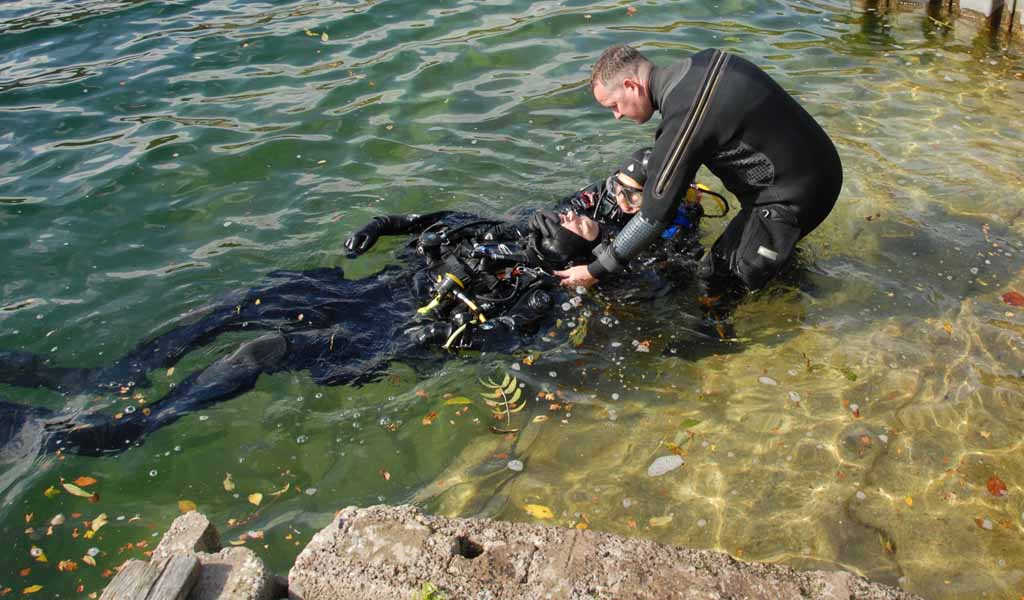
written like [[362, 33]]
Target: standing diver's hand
[[364, 239], [576, 276]]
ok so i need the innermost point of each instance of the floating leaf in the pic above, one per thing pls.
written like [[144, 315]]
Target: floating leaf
[[229, 484], [286, 487], [996, 487], [66, 566], [311, 33], [660, 521], [51, 492], [32, 589], [630, 10], [386, 475], [948, 328], [85, 481], [909, 501], [1013, 298], [665, 464], [186, 506], [38, 554], [538, 511], [579, 333], [540, 418], [74, 490], [89, 560], [99, 522], [429, 418], [170, 371], [459, 400], [324, 37], [255, 498]]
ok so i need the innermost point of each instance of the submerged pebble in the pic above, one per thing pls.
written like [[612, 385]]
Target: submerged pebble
[[765, 380], [515, 465], [861, 495], [664, 464]]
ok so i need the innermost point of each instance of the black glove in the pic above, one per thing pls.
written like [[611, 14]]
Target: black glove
[[364, 239]]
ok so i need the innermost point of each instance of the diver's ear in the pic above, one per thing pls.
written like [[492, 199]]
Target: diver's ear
[[634, 85]]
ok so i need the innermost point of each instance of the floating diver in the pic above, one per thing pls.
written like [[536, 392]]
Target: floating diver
[[479, 284], [466, 283]]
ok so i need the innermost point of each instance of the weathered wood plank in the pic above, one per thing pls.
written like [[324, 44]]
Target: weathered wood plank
[[170, 579], [178, 576], [132, 583]]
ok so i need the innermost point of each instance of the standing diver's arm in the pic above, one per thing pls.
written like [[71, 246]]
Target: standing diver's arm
[[682, 143], [364, 239]]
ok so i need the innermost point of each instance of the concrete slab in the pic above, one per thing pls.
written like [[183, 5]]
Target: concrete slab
[[232, 574], [191, 532], [985, 7], [386, 552]]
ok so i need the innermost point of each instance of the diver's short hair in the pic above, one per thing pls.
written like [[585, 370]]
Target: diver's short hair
[[616, 63]]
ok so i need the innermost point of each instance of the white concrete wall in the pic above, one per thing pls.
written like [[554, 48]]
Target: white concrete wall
[[985, 7]]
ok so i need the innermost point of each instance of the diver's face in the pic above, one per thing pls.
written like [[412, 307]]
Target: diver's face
[[629, 99], [629, 194], [585, 227]]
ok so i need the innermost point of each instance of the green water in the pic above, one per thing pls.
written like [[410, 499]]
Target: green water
[[155, 156]]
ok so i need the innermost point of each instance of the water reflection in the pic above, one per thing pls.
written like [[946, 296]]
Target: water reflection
[[156, 155]]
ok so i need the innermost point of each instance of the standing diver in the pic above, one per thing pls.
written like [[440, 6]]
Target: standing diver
[[467, 283], [724, 112]]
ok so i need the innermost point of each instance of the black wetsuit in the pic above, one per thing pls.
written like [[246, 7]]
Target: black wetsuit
[[724, 112], [341, 331]]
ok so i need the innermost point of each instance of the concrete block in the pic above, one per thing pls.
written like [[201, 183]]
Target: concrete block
[[985, 7], [233, 574], [191, 532], [386, 552]]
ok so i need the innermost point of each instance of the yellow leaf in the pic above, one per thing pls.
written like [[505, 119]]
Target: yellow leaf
[[459, 400], [85, 481], [89, 534], [660, 521], [429, 418], [948, 327], [51, 492], [909, 501], [286, 487], [255, 499], [99, 521], [538, 511], [74, 490], [310, 33], [41, 556], [185, 506], [32, 589], [170, 371], [229, 484], [323, 37], [89, 560], [540, 418]]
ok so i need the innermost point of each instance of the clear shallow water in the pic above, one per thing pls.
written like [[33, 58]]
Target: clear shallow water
[[156, 156]]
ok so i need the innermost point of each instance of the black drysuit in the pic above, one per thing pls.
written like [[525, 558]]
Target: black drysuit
[[724, 112], [348, 333]]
